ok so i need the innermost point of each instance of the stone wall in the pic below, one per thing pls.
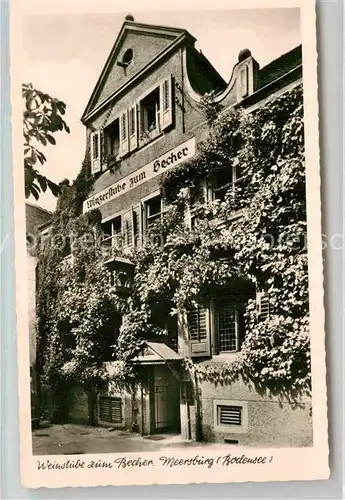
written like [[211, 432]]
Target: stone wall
[[270, 420]]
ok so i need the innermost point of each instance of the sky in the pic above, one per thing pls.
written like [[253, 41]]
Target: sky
[[63, 55]]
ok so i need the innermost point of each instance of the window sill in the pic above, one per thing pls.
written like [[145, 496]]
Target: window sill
[[142, 144], [226, 357]]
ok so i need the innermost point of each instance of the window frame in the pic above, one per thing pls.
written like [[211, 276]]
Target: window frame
[[144, 202], [109, 139], [164, 110], [115, 235], [235, 179], [215, 330], [144, 128]]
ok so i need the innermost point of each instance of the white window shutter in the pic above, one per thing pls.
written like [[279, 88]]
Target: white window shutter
[[127, 229], [96, 153], [137, 225], [264, 308], [199, 332], [124, 139], [166, 103], [133, 127]]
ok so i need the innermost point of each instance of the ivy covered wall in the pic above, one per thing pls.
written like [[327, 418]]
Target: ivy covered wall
[[257, 233]]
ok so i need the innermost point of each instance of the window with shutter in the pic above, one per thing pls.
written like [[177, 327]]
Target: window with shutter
[[137, 225], [112, 236], [153, 211], [95, 152], [112, 138], [166, 103], [127, 229], [199, 332], [149, 111], [226, 323], [264, 307], [124, 140], [110, 409], [133, 133]]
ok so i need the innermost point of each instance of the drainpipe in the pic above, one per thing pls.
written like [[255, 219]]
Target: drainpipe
[[142, 410], [189, 435], [198, 411], [182, 90]]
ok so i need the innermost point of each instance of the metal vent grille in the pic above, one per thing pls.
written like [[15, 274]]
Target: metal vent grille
[[230, 415], [110, 410]]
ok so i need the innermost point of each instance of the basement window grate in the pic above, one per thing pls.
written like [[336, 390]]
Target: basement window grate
[[230, 415]]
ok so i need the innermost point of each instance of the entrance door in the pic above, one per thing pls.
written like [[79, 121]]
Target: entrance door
[[166, 401]]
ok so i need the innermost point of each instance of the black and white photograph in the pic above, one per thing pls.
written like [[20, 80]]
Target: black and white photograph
[[171, 217]]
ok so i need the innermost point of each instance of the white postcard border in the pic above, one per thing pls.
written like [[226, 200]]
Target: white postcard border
[[286, 463]]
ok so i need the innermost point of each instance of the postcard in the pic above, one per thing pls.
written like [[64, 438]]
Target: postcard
[[170, 315]]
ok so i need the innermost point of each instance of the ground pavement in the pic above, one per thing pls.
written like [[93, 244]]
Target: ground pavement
[[73, 439]]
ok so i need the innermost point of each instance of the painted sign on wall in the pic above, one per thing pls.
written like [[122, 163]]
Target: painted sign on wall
[[169, 160]]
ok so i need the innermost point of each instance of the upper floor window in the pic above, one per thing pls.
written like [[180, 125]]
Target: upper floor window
[[225, 181], [127, 57], [153, 209], [112, 139], [155, 110], [112, 231], [135, 126], [149, 114], [122, 232]]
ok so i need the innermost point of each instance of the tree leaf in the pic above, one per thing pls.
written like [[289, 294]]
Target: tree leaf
[[51, 139], [54, 188]]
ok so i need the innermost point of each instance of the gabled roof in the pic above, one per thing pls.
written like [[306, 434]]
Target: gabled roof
[[280, 66], [157, 352], [36, 217], [166, 32]]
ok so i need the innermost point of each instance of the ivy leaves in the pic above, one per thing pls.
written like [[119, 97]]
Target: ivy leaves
[[258, 232], [42, 117], [265, 242]]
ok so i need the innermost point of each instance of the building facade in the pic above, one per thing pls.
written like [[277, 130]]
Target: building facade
[[37, 221], [143, 119]]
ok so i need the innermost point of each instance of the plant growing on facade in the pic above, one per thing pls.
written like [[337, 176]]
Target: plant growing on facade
[[77, 302], [210, 107], [265, 242], [255, 233]]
